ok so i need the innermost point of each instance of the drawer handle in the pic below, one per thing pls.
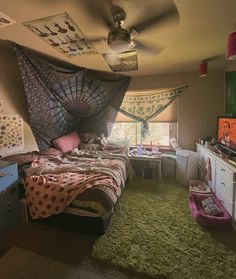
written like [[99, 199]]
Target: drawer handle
[[223, 170]]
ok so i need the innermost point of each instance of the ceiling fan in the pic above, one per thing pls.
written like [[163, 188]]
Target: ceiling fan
[[120, 39]]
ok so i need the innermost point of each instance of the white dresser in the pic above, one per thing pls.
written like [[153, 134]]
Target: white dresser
[[223, 178]]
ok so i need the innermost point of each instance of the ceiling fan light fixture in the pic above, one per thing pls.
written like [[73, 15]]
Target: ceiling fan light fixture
[[119, 45], [203, 69], [119, 40], [231, 46]]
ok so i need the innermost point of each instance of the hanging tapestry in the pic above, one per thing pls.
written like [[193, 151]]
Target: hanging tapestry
[[61, 100], [145, 107]]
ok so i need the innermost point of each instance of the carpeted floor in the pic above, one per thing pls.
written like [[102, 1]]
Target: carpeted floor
[[19, 263], [152, 232]]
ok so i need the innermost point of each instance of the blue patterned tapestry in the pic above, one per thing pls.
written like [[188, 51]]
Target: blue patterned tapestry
[[63, 99]]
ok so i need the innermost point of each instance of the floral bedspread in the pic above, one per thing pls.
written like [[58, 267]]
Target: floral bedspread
[[51, 184]]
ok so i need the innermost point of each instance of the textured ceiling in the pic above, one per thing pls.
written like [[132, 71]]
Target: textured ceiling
[[200, 34]]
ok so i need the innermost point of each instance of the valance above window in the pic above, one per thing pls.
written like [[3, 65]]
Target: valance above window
[[159, 106]]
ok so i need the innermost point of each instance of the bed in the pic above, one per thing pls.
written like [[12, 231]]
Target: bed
[[77, 190]]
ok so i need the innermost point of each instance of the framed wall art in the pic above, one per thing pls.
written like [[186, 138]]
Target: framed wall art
[[122, 62], [11, 133]]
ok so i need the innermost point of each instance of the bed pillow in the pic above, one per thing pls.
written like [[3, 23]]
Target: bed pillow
[[67, 142], [121, 142], [89, 137], [210, 207]]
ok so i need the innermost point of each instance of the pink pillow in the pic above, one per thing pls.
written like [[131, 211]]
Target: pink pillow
[[67, 142]]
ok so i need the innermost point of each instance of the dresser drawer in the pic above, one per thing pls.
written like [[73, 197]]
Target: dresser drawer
[[226, 170], [223, 183], [8, 175], [227, 203]]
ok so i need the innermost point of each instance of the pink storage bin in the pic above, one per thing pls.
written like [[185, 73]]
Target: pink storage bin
[[221, 221]]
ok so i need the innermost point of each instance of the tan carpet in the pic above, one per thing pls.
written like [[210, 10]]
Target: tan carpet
[[19, 263]]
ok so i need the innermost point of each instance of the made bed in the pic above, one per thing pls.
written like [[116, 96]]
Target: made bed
[[77, 190]]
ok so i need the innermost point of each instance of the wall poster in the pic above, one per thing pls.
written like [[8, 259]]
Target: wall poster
[[1, 106], [62, 33], [5, 20], [11, 133]]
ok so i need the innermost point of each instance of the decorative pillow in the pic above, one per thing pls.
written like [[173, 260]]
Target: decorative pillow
[[121, 142], [88, 137], [210, 207], [90, 146], [102, 140], [67, 142]]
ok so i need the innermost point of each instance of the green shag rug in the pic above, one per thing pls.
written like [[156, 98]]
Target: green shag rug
[[153, 233]]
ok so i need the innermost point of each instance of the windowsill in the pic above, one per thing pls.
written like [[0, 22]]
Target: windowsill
[[162, 149]]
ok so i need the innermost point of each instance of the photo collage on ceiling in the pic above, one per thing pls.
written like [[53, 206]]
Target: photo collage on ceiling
[[62, 33]]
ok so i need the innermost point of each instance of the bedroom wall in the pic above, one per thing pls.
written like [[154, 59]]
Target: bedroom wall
[[12, 94], [198, 106]]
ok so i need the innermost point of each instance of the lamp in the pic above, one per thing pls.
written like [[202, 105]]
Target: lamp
[[231, 46], [203, 69]]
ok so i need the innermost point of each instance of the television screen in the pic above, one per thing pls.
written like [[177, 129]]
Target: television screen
[[226, 132]]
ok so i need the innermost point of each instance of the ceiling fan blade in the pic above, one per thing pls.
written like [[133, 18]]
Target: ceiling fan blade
[[148, 49], [97, 40], [101, 9], [169, 16]]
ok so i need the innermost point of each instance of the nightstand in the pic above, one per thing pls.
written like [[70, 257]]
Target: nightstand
[[146, 166], [9, 197]]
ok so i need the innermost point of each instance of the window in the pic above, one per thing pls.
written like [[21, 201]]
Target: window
[[160, 133]]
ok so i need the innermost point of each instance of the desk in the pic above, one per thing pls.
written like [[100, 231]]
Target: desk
[[142, 163]]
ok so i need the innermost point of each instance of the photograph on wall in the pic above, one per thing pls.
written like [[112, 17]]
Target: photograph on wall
[[1, 106], [11, 133], [62, 33], [5, 20], [122, 62]]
